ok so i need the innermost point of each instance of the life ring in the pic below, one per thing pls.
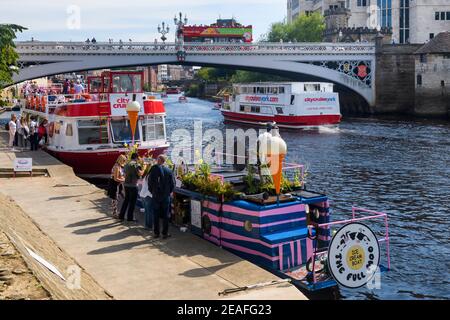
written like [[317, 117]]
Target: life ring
[[43, 104]]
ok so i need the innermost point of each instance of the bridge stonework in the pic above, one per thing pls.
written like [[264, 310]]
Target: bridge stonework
[[351, 66]]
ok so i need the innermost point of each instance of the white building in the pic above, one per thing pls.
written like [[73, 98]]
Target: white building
[[163, 72], [413, 21]]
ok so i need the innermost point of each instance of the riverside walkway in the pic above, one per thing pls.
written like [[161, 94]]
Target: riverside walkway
[[122, 259]]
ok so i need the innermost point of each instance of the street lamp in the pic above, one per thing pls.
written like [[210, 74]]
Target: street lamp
[[180, 23], [163, 30]]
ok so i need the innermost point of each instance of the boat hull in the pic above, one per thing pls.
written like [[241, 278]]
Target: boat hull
[[283, 121], [97, 163]]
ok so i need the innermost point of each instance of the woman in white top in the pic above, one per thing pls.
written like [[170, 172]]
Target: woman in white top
[[12, 130], [146, 197]]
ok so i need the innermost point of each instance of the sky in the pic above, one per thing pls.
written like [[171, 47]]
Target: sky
[[76, 20]]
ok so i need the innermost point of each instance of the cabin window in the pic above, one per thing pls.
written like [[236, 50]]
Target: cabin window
[[69, 130], [281, 90], [127, 83], [153, 128], [255, 109], [121, 131], [58, 127], [279, 110], [241, 108], [95, 85], [91, 132]]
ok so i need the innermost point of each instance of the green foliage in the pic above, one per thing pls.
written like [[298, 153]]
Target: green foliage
[[203, 182], [305, 28], [242, 76], [214, 74], [8, 55], [193, 90]]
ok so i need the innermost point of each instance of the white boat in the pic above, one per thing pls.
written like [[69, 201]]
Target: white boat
[[289, 104]]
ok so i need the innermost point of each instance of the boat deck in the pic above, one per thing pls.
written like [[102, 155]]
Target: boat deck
[[123, 258]]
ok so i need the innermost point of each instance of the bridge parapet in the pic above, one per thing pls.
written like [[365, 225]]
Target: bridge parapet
[[139, 48]]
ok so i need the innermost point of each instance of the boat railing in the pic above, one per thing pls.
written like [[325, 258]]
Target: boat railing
[[48, 103], [356, 217]]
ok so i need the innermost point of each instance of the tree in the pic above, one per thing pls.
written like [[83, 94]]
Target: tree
[[8, 56], [242, 76], [305, 28]]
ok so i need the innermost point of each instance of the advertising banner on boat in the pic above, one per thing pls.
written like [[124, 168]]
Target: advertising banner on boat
[[119, 102], [260, 99], [319, 103], [354, 255]]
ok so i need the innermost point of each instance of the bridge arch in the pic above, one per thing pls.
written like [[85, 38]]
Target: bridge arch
[[326, 62]]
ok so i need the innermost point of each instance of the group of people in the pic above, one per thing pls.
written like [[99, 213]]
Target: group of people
[[71, 87], [24, 129], [158, 184]]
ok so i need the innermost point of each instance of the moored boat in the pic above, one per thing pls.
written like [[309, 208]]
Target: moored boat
[[89, 131], [290, 105]]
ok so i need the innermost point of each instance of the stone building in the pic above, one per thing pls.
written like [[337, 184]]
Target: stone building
[[432, 77], [411, 21]]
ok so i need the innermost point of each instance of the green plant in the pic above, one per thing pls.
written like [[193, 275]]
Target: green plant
[[203, 182]]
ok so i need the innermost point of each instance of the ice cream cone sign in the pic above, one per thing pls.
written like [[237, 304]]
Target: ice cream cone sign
[[276, 154], [133, 109]]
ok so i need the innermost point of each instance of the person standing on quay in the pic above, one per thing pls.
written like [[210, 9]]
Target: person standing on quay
[[12, 131], [115, 188], [161, 184], [17, 134], [146, 197], [34, 136], [132, 173]]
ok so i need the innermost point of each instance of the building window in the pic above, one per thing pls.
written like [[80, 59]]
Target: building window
[[431, 35], [361, 3], [419, 79], [448, 15], [436, 16], [385, 13], [404, 21], [423, 58]]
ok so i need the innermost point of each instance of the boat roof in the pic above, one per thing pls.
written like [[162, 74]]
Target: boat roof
[[278, 83]]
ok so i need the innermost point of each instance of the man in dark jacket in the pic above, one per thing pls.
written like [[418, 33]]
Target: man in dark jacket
[[161, 183]]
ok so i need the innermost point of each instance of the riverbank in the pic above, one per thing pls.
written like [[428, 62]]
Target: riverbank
[[122, 259]]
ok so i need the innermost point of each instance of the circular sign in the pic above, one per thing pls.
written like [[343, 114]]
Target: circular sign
[[353, 253]]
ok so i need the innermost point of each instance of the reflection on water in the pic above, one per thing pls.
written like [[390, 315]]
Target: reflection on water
[[401, 167]]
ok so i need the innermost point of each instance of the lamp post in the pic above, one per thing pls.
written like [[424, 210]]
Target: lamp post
[[163, 30], [180, 23]]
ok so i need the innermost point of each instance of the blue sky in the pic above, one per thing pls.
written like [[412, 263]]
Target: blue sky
[[135, 19]]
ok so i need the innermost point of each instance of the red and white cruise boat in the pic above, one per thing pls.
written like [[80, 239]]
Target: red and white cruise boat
[[89, 131], [290, 104]]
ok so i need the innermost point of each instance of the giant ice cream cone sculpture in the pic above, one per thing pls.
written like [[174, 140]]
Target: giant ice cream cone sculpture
[[277, 152], [133, 109]]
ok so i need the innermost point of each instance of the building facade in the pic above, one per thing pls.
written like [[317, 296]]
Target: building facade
[[432, 77], [411, 21]]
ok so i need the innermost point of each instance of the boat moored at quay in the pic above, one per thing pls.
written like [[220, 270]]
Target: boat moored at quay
[[88, 131], [291, 105], [294, 234]]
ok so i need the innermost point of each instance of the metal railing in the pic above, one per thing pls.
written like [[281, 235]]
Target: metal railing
[[136, 48]]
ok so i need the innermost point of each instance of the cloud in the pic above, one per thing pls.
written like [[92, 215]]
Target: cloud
[[136, 19]]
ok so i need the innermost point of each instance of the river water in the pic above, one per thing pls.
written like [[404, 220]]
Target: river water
[[401, 167], [398, 167]]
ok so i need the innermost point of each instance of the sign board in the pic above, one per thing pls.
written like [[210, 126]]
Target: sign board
[[23, 165], [119, 102], [196, 214], [353, 255]]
